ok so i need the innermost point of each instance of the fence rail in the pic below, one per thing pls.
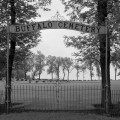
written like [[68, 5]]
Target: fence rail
[[50, 97]]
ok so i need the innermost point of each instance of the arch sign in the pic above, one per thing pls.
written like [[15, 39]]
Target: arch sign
[[57, 25]]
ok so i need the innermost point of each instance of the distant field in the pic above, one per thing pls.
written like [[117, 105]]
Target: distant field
[[115, 85]]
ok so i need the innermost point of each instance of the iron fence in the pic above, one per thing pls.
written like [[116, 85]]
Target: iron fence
[[63, 97]]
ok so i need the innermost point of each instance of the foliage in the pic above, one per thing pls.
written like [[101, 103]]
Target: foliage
[[21, 62], [50, 62], [78, 68], [40, 63]]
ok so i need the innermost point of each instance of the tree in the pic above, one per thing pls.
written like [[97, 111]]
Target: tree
[[89, 65], [40, 63], [32, 62], [69, 64], [115, 61], [2, 63], [97, 13], [18, 12], [21, 62], [98, 70], [57, 65], [50, 60], [83, 68], [66, 66], [63, 67], [77, 67]]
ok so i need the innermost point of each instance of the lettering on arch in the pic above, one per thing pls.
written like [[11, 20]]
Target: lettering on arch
[[57, 25]]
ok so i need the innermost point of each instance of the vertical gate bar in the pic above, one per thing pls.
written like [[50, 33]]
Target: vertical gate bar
[[34, 95], [47, 98], [91, 95], [43, 98], [114, 96], [61, 97], [83, 100], [70, 97], [64, 97], [98, 95], [94, 91], [53, 100], [43, 101], [23, 94], [117, 95], [73, 97], [14, 94], [89, 101], [39, 94], [92, 99], [112, 92], [47, 105], [82, 97], [32, 99], [26, 97], [27, 91], [28, 100], [79, 96], [67, 102], [20, 95], [88, 97], [50, 96], [68, 92], [85, 97], [37, 98], [54, 92]]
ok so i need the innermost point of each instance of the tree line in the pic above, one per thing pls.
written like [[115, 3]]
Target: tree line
[[26, 61]]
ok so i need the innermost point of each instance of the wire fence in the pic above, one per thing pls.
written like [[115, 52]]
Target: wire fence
[[64, 97]]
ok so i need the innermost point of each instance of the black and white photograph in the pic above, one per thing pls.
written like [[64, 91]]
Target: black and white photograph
[[59, 59]]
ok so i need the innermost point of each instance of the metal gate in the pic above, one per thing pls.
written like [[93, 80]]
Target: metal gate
[[55, 96]]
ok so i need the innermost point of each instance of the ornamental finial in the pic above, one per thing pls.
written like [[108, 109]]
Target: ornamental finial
[[57, 17]]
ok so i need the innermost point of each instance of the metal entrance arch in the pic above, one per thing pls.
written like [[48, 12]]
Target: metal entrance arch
[[58, 89]]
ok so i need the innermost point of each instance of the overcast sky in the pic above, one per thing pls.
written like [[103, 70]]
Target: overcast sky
[[53, 40]]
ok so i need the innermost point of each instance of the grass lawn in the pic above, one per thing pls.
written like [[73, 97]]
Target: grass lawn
[[54, 116]]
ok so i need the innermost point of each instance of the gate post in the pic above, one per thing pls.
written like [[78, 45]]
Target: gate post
[[106, 69], [57, 93], [7, 96]]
